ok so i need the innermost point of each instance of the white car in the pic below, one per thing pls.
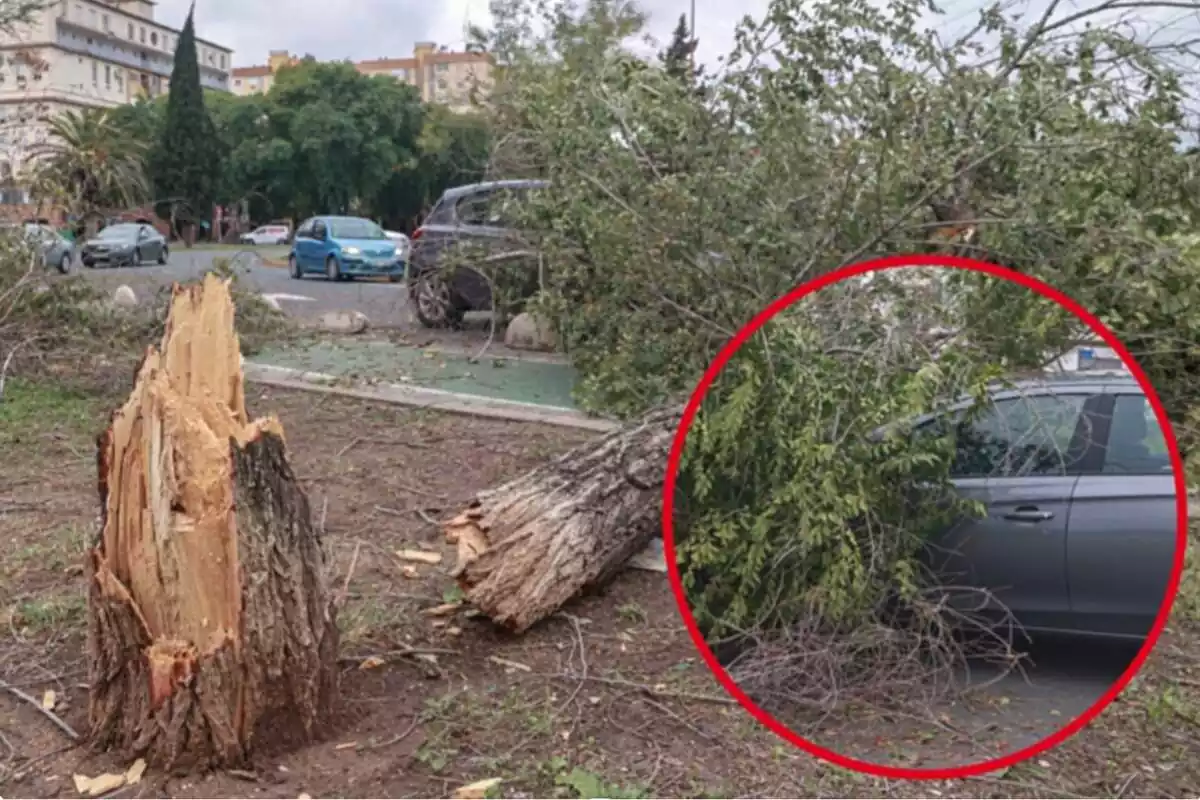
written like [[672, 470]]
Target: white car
[[403, 245], [267, 234]]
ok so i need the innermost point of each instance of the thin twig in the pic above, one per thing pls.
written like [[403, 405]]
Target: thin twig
[[341, 600], [47, 713], [352, 444], [646, 688], [399, 737]]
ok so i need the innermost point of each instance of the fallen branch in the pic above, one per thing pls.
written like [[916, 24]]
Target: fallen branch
[[45, 712], [529, 546]]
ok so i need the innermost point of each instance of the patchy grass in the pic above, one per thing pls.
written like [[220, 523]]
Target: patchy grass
[[607, 699]]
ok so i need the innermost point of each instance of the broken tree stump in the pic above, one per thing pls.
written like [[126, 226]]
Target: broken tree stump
[[527, 547], [210, 623]]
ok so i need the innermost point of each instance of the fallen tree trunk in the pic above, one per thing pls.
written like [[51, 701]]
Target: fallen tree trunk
[[209, 615], [529, 546]]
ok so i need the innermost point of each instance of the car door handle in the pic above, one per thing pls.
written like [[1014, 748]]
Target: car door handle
[[1029, 514]]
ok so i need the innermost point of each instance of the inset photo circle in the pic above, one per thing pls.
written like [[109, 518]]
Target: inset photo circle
[[925, 517]]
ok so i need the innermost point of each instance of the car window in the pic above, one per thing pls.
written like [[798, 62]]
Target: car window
[[1021, 436], [318, 230], [440, 214], [305, 229], [474, 209], [1136, 443], [356, 229]]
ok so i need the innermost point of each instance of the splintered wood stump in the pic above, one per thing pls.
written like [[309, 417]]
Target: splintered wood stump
[[211, 627], [529, 546]]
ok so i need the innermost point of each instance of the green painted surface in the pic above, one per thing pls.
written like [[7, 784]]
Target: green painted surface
[[546, 384]]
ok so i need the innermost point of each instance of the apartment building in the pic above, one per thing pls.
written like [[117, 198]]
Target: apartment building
[[86, 53], [442, 76]]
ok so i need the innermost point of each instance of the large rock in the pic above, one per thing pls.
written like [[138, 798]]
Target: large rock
[[527, 332], [344, 321], [124, 297]]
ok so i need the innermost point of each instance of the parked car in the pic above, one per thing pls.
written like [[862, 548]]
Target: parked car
[[341, 248], [403, 245], [1080, 530], [52, 249], [267, 234], [466, 215], [56, 251], [125, 244]]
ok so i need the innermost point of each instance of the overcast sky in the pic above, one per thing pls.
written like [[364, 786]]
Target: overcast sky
[[361, 29]]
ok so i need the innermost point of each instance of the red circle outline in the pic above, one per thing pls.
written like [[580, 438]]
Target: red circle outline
[[689, 414]]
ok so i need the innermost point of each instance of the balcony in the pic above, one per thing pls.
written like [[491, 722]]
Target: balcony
[[107, 46]]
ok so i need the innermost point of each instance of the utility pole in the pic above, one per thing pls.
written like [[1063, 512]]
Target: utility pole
[[692, 36]]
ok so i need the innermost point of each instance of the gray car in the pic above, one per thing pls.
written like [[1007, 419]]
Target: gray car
[[55, 251], [1080, 530], [125, 244], [472, 215]]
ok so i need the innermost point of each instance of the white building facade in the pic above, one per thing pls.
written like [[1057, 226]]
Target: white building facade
[[85, 54]]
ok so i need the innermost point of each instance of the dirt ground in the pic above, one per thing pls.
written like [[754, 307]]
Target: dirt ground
[[608, 699]]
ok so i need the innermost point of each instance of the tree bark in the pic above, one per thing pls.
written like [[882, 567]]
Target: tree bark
[[529, 546], [211, 629]]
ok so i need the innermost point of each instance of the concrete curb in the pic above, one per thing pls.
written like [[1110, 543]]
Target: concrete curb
[[420, 397]]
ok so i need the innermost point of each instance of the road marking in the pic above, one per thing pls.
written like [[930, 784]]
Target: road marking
[[273, 299]]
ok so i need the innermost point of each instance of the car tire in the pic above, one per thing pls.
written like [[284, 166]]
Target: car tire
[[395, 278], [88, 264], [64, 263], [136, 261], [164, 255], [294, 268], [434, 305], [332, 271]]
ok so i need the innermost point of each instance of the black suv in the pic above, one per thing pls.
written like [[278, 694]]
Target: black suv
[[469, 219]]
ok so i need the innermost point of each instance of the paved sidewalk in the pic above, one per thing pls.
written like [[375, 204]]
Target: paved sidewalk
[[537, 381]]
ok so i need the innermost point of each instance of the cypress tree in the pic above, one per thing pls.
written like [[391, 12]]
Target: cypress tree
[[185, 165], [678, 57]]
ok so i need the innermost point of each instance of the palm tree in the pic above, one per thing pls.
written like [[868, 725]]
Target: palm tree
[[89, 165]]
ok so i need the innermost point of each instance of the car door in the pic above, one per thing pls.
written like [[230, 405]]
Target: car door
[[497, 251], [1020, 459], [1121, 539], [319, 244], [150, 243], [302, 245]]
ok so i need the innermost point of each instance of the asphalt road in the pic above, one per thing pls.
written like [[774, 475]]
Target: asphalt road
[[385, 304]]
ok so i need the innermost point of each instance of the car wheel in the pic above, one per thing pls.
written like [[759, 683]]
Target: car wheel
[[394, 278], [294, 267], [164, 255], [136, 261], [332, 271], [434, 306], [64, 263], [89, 264]]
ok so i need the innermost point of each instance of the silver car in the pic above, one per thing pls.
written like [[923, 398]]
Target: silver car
[[55, 251], [125, 244], [1081, 523]]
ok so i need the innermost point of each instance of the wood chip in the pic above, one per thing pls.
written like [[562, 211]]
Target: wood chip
[[442, 610], [346, 746], [477, 790], [49, 700], [504, 662], [101, 784], [410, 571], [371, 662], [423, 556], [135, 772]]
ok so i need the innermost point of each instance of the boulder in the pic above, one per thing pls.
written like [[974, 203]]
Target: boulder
[[124, 297], [344, 321], [527, 332]]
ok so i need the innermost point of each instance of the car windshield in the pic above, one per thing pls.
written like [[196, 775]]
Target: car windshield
[[118, 232], [355, 229]]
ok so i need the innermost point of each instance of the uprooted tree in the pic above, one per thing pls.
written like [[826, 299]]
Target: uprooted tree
[[835, 132], [211, 629]]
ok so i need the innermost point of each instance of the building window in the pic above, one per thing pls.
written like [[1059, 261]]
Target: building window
[[142, 35], [222, 61], [107, 76], [104, 23], [120, 80], [443, 67], [237, 82], [95, 73], [154, 38]]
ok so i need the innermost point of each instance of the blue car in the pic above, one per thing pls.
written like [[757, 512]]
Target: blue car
[[341, 248]]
